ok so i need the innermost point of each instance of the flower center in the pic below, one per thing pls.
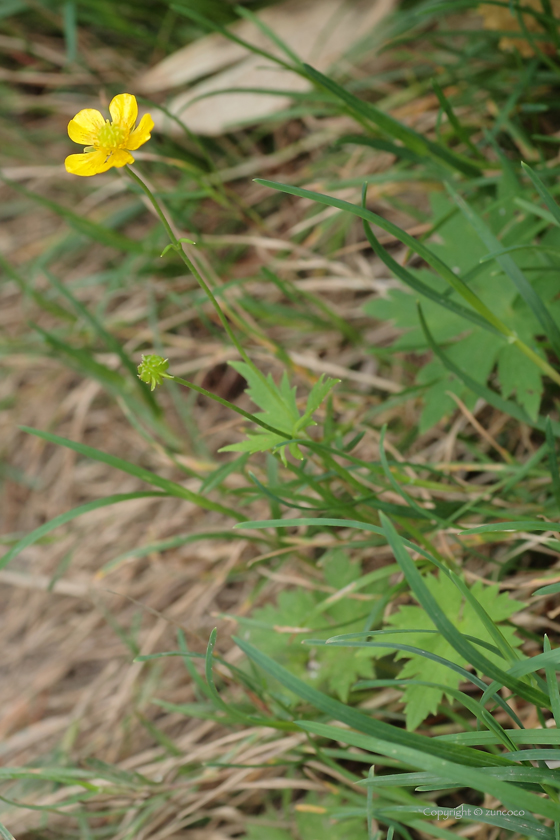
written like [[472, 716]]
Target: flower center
[[110, 136]]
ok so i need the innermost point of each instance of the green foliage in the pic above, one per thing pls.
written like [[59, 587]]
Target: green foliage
[[298, 609], [472, 348], [279, 409], [422, 701], [316, 817]]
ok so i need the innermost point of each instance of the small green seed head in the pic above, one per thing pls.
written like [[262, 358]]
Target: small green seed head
[[152, 370]]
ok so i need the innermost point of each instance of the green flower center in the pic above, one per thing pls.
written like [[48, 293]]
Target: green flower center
[[110, 136]]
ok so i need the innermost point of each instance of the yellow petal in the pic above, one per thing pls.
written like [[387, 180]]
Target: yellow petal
[[84, 127], [124, 110], [120, 158], [91, 163], [141, 134]]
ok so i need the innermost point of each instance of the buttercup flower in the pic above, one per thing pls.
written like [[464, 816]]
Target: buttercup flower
[[107, 143]]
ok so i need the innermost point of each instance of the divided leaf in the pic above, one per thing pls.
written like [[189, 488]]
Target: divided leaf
[[471, 347], [422, 701], [333, 668], [279, 409]]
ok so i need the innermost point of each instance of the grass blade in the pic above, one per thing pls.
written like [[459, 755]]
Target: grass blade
[[509, 794], [512, 270], [368, 113], [357, 720], [491, 397], [464, 648], [171, 488], [47, 527]]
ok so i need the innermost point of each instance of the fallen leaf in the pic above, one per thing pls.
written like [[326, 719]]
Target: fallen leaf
[[320, 32]]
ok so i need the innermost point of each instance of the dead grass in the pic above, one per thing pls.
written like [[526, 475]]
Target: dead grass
[[67, 682]]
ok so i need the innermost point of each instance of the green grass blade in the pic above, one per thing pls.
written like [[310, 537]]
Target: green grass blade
[[207, 23], [422, 288], [543, 192], [505, 649], [368, 113], [465, 776], [99, 233], [109, 340], [357, 720], [552, 461], [47, 527], [171, 488], [464, 648], [453, 121], [491, 397], [269, 33], [418, 247], [510, 267]]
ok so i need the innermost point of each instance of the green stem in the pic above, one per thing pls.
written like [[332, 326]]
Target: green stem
[[233, 407], [202, 283]]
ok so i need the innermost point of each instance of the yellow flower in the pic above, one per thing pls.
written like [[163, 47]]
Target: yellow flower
[[107, 143]]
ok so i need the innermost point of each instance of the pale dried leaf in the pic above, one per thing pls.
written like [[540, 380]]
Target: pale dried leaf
[[319, 31]]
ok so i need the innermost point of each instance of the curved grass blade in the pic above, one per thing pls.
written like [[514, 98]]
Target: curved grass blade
[[99, 233], [543, 192], [364, 724], [171, 488], [474, 706], [68, 516], [510, 267], [109, 339], [448, 631], [552, 461], [419, 286], [434, 657], [552, 683], [454, 122], [414, 244], [518, 736], [465, 776], [491, 397], [367, 112]]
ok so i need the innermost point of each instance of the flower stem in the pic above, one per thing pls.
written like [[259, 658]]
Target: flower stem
[[233, 407], [202, 283]]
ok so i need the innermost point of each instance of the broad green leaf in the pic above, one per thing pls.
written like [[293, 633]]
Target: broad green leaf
[[421, 701], [334, 668]]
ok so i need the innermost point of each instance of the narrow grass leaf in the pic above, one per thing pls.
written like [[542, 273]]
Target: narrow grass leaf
[[357, 720], [171, 488], [99, 233], [553, 461], [367, 112], [543, 192], [465, 776], [447, 629], [491, 397], [68, 516], [415, 245], [512, 270]]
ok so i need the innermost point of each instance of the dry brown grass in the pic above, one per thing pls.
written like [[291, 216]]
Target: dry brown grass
[[67, 677]]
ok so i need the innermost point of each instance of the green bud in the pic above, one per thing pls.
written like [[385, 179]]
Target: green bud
[[152, 370]]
